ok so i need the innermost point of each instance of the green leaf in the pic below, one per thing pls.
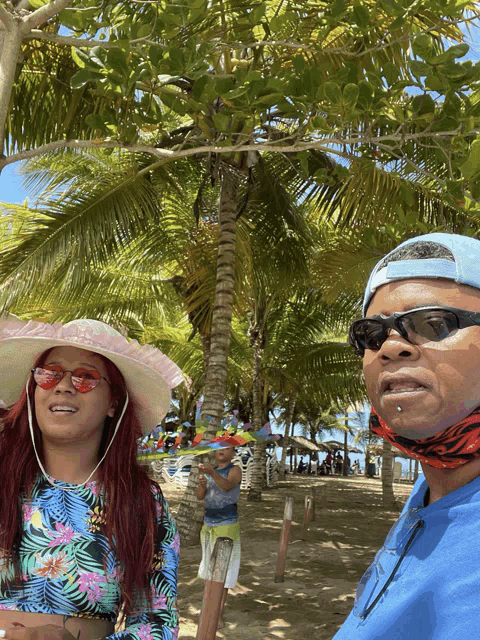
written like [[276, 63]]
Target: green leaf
[[78, 58], [365, 95], [177, 60], [457, 51], [338, 8], [199, 86], [452, 104], [391, 72], [350, 95], [436, 82], [455, 189], [155, 53], [423, 104], [117, 60], [82, 77], [143, 31], [361, 15], [472, 165], [422, 46], [419, 68], [332, 93], [221, 121], [95, 121], [298, 63], [224, 85]]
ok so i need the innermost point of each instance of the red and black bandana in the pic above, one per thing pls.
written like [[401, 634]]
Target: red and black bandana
[[448, 449]]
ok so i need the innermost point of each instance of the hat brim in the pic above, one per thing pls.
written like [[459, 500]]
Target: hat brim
[[147, 389]]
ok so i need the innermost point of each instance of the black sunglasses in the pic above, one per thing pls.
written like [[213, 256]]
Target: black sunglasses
[[427, 324]]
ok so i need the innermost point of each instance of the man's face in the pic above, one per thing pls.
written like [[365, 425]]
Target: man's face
[[435, 384]]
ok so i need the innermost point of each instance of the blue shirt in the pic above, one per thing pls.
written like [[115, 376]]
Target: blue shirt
[[221, 506], [435, 592]]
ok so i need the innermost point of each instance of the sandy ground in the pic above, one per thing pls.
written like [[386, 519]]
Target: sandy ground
[[322, 571]]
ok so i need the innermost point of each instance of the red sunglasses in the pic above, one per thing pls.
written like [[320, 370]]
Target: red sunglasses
[[84, 380]]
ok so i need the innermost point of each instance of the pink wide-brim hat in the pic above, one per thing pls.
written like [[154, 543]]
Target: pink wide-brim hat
[[149, 374]]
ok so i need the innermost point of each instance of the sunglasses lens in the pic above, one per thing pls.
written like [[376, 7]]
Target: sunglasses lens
[[429, 325], [369, 334], [85, 380], [47, 378]]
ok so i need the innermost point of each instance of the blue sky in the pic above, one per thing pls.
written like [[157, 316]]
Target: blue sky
[[11, 185]]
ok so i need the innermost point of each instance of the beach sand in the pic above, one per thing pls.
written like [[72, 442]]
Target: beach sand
[[322, 571]]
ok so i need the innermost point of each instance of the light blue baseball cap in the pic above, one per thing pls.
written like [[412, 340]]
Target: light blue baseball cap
[[465, 269]]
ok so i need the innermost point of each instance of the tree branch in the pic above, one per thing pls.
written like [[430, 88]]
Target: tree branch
[[331, 146], [71, 41], [42, 15], [6, 18]]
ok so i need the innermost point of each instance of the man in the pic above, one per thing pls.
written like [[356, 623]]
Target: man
[[420, 343]]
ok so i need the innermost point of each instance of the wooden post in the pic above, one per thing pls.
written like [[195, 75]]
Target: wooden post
[[322, 490], [285, 537], [213, 591], [307, 515], [313, 496]]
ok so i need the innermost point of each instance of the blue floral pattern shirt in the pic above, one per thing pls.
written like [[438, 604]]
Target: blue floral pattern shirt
[[62, 554]]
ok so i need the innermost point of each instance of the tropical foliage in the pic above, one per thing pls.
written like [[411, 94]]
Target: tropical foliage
[[218, 176]]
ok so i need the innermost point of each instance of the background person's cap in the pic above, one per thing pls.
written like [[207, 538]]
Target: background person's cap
[[465, 269]]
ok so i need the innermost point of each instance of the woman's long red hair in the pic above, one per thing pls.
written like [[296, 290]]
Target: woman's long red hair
[[130, 510]]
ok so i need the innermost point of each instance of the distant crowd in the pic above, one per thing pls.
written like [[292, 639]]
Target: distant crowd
[[333, 464]]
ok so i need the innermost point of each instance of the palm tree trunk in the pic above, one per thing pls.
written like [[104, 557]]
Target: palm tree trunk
[[288, 421], [345, 446], [415, 471], [387, 476], [190, 513], [257, 482]]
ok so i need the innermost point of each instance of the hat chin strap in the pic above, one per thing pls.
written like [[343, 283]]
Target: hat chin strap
[[52, 482]]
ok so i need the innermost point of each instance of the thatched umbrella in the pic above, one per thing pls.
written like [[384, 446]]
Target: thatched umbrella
[[305, 446], [335, 445]]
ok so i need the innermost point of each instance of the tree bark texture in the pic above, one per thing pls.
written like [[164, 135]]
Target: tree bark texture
[[415, 472], [345, 446], [10, 43], [258, 418], [191, 510], [216, 375], [288, 421], [16, 28], [388, 495]]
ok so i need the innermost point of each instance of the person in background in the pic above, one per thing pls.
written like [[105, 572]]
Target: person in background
[[328, 462], [301, 466], [419, 338], [84, 531], [339, 463], [219, 486]]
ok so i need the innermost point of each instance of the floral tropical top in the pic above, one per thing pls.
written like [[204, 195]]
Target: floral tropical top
[[61, 554]]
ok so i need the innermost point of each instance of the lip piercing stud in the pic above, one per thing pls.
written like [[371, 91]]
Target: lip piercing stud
[[399, 409]]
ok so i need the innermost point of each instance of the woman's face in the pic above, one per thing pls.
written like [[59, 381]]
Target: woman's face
[[63, 413], [435, 384]]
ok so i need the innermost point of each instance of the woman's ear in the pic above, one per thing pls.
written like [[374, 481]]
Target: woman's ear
[[112, 409]]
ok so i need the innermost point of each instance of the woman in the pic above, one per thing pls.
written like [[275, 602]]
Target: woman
[[84, 531], [220, 492]]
